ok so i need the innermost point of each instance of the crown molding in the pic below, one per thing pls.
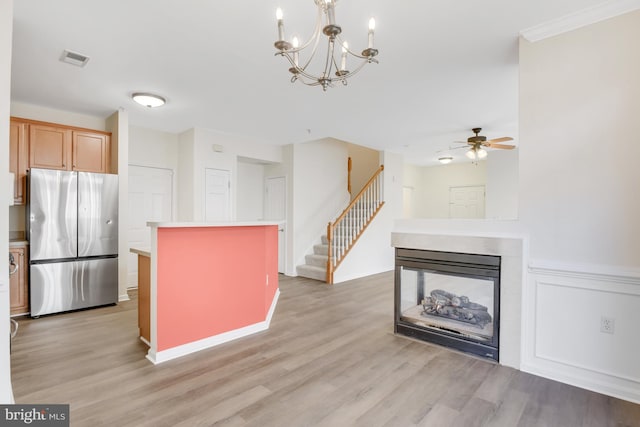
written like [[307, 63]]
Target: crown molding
[[579, 19]]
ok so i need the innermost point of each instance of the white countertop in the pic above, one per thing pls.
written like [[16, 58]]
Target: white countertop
[[141, 251], [212, 224]]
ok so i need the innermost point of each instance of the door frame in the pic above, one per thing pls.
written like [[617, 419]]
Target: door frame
[[282, 225]]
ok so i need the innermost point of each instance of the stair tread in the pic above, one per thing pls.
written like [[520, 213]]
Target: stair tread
[[312, 272], [311, 267]]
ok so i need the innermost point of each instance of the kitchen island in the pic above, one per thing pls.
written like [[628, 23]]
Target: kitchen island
[[209, 283]]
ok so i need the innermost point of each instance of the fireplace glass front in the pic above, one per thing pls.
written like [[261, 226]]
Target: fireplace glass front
[[450, 299]]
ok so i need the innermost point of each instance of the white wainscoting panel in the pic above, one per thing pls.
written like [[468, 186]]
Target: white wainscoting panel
[[565, 341]]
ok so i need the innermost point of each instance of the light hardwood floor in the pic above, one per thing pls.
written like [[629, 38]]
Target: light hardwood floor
[[329, 359]]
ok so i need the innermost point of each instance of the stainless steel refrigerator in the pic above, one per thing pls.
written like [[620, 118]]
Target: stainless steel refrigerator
[[73, 240]]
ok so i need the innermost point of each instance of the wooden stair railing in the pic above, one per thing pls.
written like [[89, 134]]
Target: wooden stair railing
[[344, 232]]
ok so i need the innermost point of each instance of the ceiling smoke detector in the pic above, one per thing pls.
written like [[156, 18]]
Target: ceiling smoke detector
[[74, 58]]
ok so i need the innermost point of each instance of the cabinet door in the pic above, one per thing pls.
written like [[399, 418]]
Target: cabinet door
[[18, 162], [49, 147], [18, 284], [90, 152]]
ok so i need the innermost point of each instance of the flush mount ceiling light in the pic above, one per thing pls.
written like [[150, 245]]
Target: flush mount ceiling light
[[333, 70], [445, 160], [148, 99]]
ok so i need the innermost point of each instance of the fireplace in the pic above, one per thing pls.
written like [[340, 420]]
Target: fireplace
[[450, 299]]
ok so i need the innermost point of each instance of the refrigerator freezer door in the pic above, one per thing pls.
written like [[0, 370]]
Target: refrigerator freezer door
[[53, 214], [64, 286], [97, 214]]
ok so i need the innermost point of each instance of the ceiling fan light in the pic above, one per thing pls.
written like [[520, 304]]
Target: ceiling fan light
[[148, 99], [445, 160], [482, 153], [471, 154]]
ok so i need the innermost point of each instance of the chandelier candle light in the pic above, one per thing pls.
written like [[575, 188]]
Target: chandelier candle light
[[333, 71]]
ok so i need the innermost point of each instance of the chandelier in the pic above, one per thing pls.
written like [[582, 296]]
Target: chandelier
[[333, 70]]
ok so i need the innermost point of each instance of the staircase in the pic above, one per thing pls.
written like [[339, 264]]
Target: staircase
[[315, 266], [344, 232]]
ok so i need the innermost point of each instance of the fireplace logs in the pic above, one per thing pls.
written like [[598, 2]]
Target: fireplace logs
[[445, 304]]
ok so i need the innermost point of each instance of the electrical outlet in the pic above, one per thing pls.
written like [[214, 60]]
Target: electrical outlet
[[607, 325]]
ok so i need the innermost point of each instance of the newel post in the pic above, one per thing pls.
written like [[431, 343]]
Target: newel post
[[329, 278]]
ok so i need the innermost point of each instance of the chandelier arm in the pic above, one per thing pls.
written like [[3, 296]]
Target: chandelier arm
[[351, 73], [349, 51], [316, 39], [300, 71], [330, 60]]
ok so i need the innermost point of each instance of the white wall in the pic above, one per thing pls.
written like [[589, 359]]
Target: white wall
[[319, 191], [579, 150], [431, 185], [186, 176], [118, 125], [373, 253], [502, 185], [579, 109], [156, 149], [364, 163], [206, 158], [579, 176], [6, 26], [285, 169], [250, 201], [200, 149], [36, 112], [152, 148]]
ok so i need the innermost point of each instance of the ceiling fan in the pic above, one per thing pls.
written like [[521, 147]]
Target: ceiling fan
[[478, 141]]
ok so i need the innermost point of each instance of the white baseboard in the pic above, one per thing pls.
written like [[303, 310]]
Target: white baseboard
[[611, 386], [157, 357], [123, 297]]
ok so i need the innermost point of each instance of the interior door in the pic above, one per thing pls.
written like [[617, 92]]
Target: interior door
[[276, 209], [466, 201], [150, 199], [217, 195]]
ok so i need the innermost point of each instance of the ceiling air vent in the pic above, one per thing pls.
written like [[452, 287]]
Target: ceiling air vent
[[74, 58]]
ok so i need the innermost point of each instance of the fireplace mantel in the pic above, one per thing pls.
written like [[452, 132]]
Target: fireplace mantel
[[511, 249]]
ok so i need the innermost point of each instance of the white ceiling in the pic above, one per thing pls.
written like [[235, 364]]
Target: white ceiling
[[445, 67]]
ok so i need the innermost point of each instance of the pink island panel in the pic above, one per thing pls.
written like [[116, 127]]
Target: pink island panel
[[212, 280]]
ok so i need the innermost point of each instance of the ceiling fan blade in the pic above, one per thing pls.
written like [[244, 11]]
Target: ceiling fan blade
[[503, 146], [503, 139], [460, 142]]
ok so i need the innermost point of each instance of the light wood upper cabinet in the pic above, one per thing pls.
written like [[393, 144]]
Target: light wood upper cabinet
[[18, 159], [18, 283], [90, 152], [49, 147], [62, 147]]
